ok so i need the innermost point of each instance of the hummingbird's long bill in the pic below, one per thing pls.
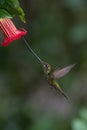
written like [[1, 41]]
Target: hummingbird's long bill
[[33, 52]]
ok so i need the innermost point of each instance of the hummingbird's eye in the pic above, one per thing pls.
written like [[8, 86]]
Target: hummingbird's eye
[[45, 66]]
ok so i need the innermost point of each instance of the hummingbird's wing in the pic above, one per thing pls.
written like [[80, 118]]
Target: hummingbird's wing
[[58, 73]]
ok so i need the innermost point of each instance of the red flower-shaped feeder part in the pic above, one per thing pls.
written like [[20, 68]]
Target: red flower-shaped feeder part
[[8, 32]]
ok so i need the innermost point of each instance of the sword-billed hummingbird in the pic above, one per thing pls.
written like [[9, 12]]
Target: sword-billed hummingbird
[[51, 74]]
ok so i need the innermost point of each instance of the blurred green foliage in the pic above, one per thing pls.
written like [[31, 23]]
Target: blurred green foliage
[[57, 32], [81, 122]]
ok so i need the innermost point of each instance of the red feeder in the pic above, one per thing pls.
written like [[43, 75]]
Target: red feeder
[[8, 32]]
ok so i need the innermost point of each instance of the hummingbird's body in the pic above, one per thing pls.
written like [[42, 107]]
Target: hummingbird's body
[[51, 77], [52, 82], [50, 74]]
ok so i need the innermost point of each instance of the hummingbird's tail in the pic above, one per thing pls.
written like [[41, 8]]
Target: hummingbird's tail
[[63, 93]]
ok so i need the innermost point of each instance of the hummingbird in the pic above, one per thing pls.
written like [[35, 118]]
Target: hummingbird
[[52, 74]]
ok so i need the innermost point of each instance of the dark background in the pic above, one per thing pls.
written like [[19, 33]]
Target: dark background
[[57, 31]]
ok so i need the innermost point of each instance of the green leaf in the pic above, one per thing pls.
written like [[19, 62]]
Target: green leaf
[[4, 14], [12, 7], [15, 9]]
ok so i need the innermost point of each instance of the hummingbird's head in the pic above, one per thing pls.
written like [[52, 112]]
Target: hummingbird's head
[[47, 68]]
